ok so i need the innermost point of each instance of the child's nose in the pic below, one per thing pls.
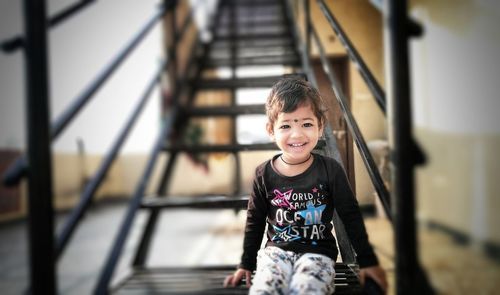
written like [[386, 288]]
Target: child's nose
[[296, 132]]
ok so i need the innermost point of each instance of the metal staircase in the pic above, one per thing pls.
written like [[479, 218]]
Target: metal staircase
[[244, 33]]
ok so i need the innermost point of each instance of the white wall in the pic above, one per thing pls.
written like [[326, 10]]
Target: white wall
[[456, 100], [456, 66], [79, 49]]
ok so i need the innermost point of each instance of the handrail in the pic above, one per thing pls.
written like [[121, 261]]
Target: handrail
[[94, 184], [17, 170], [363, 69], [355, 131], [14, 43], [110, 265], [378, 93]]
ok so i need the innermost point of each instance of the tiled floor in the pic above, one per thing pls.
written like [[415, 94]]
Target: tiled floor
[[215, 237]]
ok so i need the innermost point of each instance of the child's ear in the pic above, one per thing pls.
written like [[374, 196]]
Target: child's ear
[[270, 131], [321, 129]]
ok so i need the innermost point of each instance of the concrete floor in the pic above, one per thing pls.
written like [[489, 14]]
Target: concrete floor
[[215, 237]]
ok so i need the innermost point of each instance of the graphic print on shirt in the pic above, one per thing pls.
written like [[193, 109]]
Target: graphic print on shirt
[[282, 199], [299, 215], [284, 234]]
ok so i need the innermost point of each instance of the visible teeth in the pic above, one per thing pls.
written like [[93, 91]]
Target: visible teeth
[[296, 144]]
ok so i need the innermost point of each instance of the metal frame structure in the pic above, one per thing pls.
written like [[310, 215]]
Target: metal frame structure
[[36, 165]]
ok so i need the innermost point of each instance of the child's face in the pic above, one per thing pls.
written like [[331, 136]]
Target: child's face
[[296, 133]]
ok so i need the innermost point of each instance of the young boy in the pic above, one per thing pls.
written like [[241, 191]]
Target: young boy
[[295, 193]]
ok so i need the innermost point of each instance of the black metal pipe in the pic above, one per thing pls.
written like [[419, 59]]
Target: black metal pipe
[[363, 69], [112, 259], [410, 278], [143, 249], [172, 50], [40, 211], [90, 189], [371, 167], [15, 172], [14, 43], [308, 27]]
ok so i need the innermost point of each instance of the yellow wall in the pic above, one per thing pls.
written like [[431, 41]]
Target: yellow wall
[[461, 175]]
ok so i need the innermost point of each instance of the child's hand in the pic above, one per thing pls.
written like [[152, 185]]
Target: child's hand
[[376, 273], [234, 279]]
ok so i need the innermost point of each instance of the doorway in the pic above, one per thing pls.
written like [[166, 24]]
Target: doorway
[[334, 114]]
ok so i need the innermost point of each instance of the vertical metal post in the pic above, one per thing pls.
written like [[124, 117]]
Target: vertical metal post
[[171, 41], [234, 132], [307, 28], [40, 218], [400, 138]]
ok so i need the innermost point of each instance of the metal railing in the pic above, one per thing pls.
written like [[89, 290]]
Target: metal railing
[[367, 75], [44, 253], [405, 154], [171, 118], [17, 171], [14, 43]]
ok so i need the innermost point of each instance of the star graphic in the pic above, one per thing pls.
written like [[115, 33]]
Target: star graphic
[[312, 215], [281, 199], [283, 234]]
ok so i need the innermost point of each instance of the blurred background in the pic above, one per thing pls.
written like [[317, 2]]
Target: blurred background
[[454, 72]]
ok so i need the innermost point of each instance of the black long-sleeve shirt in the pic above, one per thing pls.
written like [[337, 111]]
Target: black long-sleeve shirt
[[299, 210]]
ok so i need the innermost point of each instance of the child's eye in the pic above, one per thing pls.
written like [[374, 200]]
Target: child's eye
[[284, 126], [308, 125]]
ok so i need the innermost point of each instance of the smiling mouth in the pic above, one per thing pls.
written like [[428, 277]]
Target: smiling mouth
[[297, 144]]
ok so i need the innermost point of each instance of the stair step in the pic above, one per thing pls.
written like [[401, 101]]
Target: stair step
[[220, 148], [251, 31], [250, 23], [238, 83], [253, 109], [256, 43], [208, 280], [253, 3], [265, 35], [198, 202], [250, 9], [286, 60], [252, 52], [247, 20], [226, 148]]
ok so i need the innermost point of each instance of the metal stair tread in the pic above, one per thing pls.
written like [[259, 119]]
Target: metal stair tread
[[253, 42], [216, 148], [250, 82], [290, 59], [253, 36], [250, 109], [208, 280], [198, 202]]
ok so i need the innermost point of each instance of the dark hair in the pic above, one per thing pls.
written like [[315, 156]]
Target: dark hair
[[288, 94]]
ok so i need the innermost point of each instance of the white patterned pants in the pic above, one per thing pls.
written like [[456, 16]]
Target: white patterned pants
[[284, 272]]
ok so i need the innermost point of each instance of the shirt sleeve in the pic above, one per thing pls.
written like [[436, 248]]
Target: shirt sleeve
[[255, 224], [350, 214]]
